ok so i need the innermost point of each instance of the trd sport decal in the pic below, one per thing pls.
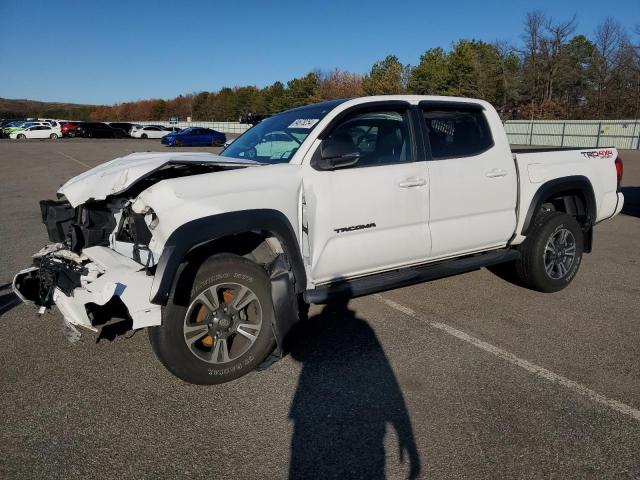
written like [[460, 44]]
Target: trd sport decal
[[354, 227], [607, 153]]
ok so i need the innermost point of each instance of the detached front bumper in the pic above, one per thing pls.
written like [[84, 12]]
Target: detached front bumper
[[105, 274]]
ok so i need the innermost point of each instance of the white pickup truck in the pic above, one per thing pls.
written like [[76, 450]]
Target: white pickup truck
[[337, 199]]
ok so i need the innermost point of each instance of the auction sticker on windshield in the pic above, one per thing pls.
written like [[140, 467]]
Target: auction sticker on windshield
[[304, 123]]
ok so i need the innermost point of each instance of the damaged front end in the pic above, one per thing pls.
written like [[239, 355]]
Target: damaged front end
[[102, 244], [81, 272]]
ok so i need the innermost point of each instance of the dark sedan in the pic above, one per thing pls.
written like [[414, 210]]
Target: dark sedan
[[98, 130], [194, 136]]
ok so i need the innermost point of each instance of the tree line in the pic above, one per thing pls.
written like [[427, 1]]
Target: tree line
[[553, 73]]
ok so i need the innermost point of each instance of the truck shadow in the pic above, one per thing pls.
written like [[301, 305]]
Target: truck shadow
[[347, 397], [631, 201]]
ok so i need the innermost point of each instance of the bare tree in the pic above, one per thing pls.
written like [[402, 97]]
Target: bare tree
[[506, 52], [609, 38], [533, 25], [636, 50], [551, 49]]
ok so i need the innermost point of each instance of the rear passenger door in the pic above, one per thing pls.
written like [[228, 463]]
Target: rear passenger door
[[473, 190]]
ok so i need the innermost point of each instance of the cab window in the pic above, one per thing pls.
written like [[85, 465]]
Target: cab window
[[381, 137], [457, 132]]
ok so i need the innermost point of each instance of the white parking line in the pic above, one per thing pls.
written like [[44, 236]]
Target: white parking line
[[74, 159], [524, 364]]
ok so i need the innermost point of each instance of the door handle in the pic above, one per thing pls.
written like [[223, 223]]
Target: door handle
[[412, 182], [496, 173]]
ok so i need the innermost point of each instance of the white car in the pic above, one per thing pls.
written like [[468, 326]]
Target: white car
[[54, 123], [334, 200], [148, 132], [134, 129], [37, 131]]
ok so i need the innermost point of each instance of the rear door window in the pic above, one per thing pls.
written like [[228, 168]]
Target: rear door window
[[457, 132]]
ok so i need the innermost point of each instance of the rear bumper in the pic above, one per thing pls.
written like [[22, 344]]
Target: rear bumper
[[107, 274]]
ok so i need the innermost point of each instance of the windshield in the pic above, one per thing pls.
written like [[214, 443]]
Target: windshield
[[276, 139]]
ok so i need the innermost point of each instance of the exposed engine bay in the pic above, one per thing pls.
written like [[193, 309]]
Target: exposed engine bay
[[100, 250]]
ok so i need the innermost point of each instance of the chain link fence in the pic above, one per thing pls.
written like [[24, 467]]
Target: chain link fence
[[624, 134]]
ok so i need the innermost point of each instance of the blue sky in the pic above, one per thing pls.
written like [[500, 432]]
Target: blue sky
[[114, 51]]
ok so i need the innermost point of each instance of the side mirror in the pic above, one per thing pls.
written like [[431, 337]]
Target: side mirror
[[336, 154]]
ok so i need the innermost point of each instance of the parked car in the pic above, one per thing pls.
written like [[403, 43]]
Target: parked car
[[97, 130], [37, 131], [149, 132], [17, 126], [7, 121], [135, 128], [5, 130], [193, 136], [69, 129], [54, 123], [124, 126], [217, 252]]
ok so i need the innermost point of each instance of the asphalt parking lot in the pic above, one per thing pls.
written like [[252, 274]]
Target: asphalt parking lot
[[465, 377]]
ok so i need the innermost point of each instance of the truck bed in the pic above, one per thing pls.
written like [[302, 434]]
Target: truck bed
[[539, 166]]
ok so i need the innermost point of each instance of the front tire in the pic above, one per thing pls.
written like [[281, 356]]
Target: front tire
[[21, 137], [53, 136], [225, 330], [552, 253]]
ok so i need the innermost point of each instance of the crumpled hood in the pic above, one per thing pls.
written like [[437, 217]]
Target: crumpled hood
[[119, 174]]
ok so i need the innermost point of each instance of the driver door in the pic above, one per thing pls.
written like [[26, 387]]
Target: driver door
[[373, 215]]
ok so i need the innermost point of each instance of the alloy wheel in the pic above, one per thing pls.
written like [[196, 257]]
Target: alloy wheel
[[559, 253], [222, 323]]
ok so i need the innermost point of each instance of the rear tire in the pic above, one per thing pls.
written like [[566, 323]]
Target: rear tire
[[144, 136], [217, 337], [552, 253]]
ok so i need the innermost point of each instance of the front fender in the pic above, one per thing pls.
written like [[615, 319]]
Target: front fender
[[204, 230]]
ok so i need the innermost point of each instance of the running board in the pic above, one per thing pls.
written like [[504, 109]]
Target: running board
[[407, 276]]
